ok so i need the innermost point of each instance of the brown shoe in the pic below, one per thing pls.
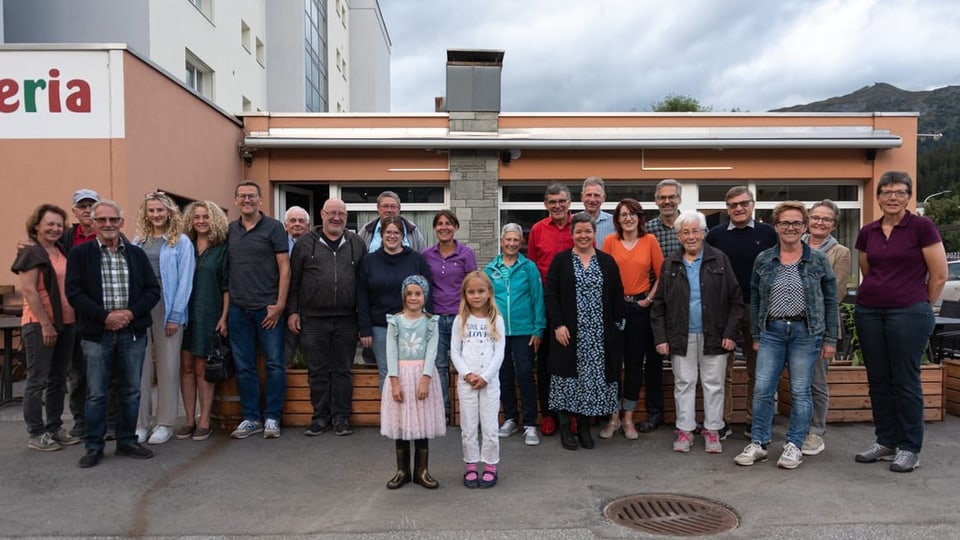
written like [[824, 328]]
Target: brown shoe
[[185, 432], [202, 433]]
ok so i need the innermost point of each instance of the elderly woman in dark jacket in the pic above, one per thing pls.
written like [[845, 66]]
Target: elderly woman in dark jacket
[[695, 318], [584, 359]]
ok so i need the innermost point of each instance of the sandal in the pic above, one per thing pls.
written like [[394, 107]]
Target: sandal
[[471, 479], [630, 431], [488, 479], [610, 429]]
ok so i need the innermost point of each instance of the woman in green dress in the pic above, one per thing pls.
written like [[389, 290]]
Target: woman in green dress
[[206, 225]]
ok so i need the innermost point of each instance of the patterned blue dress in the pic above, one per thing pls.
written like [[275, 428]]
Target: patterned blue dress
[[588, 393]]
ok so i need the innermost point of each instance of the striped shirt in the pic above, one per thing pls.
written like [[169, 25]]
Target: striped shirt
[[115, 276]]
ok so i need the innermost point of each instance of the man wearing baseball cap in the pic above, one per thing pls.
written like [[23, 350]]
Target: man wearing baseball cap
[[80, 232]]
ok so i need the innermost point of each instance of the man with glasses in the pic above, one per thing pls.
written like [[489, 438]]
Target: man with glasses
[[742, 239], [549, 236], [668, 201], [388, 204], [259, 279], [113, 288], [322, 310]]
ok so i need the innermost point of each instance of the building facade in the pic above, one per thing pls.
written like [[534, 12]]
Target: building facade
[[243, 55]]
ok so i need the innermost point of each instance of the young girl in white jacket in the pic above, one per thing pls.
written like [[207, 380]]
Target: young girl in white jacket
[[476, 348]]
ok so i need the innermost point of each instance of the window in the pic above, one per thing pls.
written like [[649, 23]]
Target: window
[[419, 204], [245, 35], [245, 105], [205, 7], [261, 53], [198, 75], [315, 45]]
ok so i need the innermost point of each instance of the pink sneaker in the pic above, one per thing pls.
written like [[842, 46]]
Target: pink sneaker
[[683, 442], [712, 442]]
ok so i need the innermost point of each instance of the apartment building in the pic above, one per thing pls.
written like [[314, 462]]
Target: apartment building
[[243, 55]]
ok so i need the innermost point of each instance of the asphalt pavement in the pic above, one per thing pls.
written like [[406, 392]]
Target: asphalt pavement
[[334, 487]]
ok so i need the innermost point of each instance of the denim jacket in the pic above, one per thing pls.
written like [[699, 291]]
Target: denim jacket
[[820, 292], [177, 265]]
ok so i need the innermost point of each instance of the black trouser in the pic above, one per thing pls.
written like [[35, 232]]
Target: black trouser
[[329, 345], [642, 363]]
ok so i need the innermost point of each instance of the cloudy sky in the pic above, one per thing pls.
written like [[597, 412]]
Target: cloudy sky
[[625, 55]]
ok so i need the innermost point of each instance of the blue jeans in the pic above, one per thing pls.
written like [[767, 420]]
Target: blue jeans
[[245, 331], [46, 378], [518, 365], [121, 353], [785, 343], [893, 341], [379, 348], [443, 357]]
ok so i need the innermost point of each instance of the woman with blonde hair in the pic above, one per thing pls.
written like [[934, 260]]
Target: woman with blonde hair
[[206, 226], [171, 255]]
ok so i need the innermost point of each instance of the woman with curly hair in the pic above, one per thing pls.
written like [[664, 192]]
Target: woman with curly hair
[[206, 226], [171, 254]]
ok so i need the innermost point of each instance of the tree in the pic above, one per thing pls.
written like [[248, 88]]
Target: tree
[[945, 212], [679, 103]]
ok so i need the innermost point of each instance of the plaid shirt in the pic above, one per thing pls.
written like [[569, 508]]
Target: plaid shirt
[[115, 276], [666, 237]]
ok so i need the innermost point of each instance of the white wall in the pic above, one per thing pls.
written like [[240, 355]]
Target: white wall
[[369, 70], [285, 56], [338, 17]]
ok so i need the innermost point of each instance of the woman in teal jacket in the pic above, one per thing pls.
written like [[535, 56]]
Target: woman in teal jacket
[[519, 296]]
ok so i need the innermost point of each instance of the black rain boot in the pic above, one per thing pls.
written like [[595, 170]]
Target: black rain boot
[[567, 439], [420, 473], [403, 466], [583, 432]]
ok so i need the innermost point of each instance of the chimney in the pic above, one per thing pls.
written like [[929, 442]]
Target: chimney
[[473, 80]]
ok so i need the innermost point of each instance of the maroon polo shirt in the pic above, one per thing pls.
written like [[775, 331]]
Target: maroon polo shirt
[[898, 272]]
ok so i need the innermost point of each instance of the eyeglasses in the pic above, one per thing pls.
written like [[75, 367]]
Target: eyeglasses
[[392, 233], [247, 196], [689, 232], [785, 225], [625, 215], [389, 206], [900, 194], [334, 213], [667, 197], [821, 219], [111, 220], [741, 204]]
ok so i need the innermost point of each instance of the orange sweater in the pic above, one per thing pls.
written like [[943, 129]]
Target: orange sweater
[[635, 264]]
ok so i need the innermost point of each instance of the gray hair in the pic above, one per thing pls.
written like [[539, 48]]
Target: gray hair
[[594, 181], [106, 202], [292, 209], [828, 204], [556, 188], [582, 217], [690, 216], [895, 177], [388, 195], [668, 182], [511, 227], [737, 191]]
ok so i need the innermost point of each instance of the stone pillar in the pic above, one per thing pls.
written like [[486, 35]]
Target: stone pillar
[[474, 176]]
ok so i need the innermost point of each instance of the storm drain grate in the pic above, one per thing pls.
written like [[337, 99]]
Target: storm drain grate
[[672, 515]]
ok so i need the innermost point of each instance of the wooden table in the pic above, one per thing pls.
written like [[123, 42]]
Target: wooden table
[[9, 326]]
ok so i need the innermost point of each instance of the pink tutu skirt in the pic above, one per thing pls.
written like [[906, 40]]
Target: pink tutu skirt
[[414, 418]]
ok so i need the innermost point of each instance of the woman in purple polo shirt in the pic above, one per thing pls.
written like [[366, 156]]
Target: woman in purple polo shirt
[[904, 267], [449, 262]]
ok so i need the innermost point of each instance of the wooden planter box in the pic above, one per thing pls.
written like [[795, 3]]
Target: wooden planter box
[[850, 395], [951, 385]]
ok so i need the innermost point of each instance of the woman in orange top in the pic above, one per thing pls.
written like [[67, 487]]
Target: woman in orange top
[[47, 328], [638, 255]]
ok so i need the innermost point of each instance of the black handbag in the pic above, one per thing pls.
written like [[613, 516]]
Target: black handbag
[[219, 364]]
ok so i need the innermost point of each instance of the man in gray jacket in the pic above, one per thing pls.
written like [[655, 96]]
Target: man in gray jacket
[[322, 310]]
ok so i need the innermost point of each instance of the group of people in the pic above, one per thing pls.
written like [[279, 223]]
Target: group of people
[[597, 295]]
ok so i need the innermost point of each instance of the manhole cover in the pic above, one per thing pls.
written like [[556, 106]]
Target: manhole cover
[[672, 515]]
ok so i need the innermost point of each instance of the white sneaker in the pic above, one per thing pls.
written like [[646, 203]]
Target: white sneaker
[[508, 428], [160, 435], [271, 429], [530, 437], [246, 429], [791, 457], [812, 445], [751, 454], [141, 435]]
